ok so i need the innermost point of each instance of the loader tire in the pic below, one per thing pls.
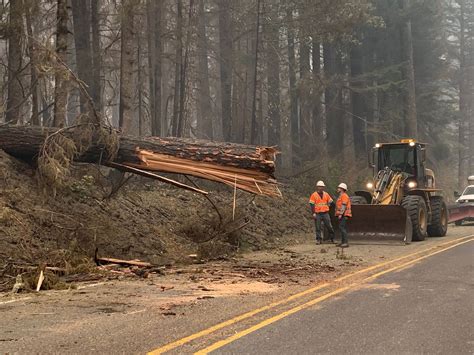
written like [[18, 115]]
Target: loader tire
[[358, 200], [439, 218], [416, 210]]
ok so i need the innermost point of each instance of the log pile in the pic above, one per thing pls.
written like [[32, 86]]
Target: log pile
[[243, 167]]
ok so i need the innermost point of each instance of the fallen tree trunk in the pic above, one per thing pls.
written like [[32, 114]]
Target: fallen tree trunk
[[244, 167]]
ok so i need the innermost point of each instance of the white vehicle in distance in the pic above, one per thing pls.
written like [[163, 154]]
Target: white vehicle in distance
[[465, 199], [467, 195]]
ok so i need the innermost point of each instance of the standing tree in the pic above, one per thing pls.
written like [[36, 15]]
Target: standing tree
[[127, 61], [61, 76], [82, 40], [411, 122], [272, 30], [31, 7], [226, 65], [293, 125], [15, 62], [255, 127], [205, 114], [155, 48], [306, 131], [178, 68], [96, 55]]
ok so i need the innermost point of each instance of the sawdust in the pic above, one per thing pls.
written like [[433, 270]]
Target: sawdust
[[183, 294]]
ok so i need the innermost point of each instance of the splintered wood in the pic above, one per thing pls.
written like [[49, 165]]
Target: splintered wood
[[247, 179], [240, 166]]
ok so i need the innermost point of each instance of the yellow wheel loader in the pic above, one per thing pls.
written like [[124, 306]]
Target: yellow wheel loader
[[401, 202]]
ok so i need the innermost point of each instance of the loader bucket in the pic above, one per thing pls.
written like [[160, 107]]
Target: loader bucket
[[379, 224]]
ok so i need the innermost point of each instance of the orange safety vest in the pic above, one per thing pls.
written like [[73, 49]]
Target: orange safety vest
[[321, 205], [343, 200]]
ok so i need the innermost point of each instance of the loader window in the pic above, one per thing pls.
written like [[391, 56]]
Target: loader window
[[398, 158]]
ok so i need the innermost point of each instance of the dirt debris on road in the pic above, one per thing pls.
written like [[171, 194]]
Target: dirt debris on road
[[180, 300]]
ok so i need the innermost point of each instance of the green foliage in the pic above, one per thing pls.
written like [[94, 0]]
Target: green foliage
[[84, 186]]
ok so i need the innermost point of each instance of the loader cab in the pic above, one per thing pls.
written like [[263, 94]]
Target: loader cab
[[406, 156]]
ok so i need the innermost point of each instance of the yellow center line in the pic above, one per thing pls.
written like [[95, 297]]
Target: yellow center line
[[308, 304], [200, 334]]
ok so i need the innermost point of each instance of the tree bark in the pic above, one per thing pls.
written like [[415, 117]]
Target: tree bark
[[255, 126], [29, 10], [273, 76], [359, 102], [96, 90], [463, 99], [470, 75], [226, 66], [178, 67], [205, 114], [82, 33], [333, 100], [139, 83], [26, 142], [411, 123], [15, 62], [319, 139], [293, 126], [306, 130], [127, 62], [184, 74], [348, 139], [155, 49], [60, 77]]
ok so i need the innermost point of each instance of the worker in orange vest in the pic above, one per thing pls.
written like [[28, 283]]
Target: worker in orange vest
[[343, 213], [319, 203]]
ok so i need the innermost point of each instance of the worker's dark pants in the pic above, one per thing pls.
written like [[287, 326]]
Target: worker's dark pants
[[343, 230], [323, 218]]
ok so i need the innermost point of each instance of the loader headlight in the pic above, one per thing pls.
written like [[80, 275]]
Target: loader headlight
[[370, 185], [412, 184]]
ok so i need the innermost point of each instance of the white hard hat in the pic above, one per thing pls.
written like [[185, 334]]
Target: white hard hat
[[320, 183], [343, 186]]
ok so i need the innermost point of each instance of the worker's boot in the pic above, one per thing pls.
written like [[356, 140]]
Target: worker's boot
[[343, 245], [318, 241]]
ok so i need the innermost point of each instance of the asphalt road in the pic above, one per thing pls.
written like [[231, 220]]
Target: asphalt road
[[426, 308]]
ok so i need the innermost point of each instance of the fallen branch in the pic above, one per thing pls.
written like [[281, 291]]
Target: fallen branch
[[125, 262], [155, 176]]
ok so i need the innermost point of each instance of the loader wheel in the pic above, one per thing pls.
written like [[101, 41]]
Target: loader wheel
[[439, 218], [358, 200], [416, 210]]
